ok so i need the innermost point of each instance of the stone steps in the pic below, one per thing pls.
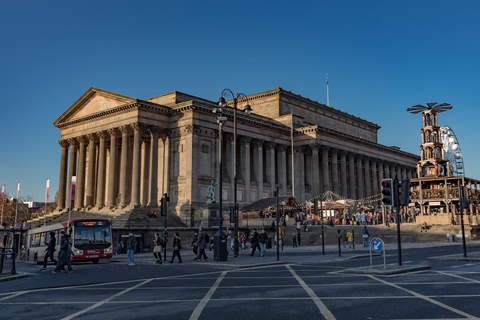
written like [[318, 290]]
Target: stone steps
[[409, 233]]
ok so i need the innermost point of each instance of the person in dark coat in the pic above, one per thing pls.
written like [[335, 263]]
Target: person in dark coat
[[50, 250], [202, 244], [177, 246], [131, 242], [262, 240], [64, 253], [195, 245], [255, 242]]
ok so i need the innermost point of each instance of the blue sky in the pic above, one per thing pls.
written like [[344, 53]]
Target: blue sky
[[381, 56]]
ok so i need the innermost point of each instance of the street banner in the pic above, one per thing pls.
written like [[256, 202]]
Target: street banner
[[74, 181], [48, 191]]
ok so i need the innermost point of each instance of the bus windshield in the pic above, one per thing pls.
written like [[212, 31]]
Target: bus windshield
[[94, 237]]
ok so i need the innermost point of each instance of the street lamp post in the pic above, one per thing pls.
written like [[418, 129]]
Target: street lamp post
[[219, 236], [247, 110]]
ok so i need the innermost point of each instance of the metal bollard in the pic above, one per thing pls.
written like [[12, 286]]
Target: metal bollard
[[14, 255]]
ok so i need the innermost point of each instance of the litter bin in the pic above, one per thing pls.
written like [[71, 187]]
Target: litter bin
[[220, 246]]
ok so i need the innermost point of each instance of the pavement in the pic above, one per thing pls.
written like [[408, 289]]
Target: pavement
[[298, 255]]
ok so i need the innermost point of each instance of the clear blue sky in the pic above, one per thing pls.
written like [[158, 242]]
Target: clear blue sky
[[381, 56]]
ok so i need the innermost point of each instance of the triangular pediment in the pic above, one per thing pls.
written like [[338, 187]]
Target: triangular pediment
[[93, 102]]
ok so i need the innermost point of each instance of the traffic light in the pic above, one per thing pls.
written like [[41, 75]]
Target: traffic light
[[405, 193], [163, 205], [464, 197], [388, 193]]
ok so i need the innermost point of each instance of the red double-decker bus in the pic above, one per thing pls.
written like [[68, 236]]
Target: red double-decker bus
[[91, 240]]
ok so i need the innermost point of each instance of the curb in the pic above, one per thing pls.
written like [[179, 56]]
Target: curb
[[379, 270], [14, 277]]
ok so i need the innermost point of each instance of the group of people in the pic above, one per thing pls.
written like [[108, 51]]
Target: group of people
[[348, 238], [64, 256]]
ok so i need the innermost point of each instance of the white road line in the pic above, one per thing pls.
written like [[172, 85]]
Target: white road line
[[13, 295], [198, 310], [321, 306], [98, 304], [418, 295], [457, 276]]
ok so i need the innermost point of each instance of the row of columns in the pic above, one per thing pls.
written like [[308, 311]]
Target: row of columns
[[326, 169], [95, 171]]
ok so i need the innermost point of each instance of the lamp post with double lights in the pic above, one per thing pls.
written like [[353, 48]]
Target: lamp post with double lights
[[221, 102], [220, 246]]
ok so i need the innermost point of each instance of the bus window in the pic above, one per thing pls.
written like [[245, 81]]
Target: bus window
[[42, 239], [32, 241], [37, 240]]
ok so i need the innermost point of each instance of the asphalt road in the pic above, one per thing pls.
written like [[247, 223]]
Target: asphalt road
[[114, 290]]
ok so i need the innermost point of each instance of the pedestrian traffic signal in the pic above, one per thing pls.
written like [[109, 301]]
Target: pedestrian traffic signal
[[388, 194], [464, 197], [405, 193]]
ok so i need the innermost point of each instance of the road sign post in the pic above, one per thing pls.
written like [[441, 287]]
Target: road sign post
[[377, 245]]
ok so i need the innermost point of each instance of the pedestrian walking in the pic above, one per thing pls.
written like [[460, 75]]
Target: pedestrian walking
[[195, 245], [366, 237], [254, 241], [64, 252], [344, 238], [202, 244], [158, 244], [50, 250], [299, 238], [120, 248], [177, 246], [350, 238], [262, 240], [294, 240], [131, 245], [229, 241]]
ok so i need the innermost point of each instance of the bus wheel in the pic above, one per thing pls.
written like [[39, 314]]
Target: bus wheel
[[95, 261], [35, 258]]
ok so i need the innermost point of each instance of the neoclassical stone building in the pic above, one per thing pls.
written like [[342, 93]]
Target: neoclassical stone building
[[127, 152]]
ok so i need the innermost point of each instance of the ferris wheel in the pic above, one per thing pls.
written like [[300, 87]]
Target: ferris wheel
[[452, 151]]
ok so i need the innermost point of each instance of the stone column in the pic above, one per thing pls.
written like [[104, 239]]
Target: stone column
[[299, 174], [102, 158], [270, 165], [62, 181], [123, 167], [91, 171], [72, 170], [136, 169], [376, 182], [245, 166], [282, 167], [361, 185], [381, 176], [404, 172], [351, 160], [153, 181], [112, 173], [343, 172], [325, 171], [336, 187], [80, 188], [386, 166], [258, 165], [315, 170], [368, 180]]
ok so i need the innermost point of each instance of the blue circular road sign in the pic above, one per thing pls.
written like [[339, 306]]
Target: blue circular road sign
[[377, 245]]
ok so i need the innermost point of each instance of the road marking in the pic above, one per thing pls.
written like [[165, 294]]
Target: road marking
[[98, 304], [457, 276], [418, 295], [321, 306], [198, 310], [13, 295]]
